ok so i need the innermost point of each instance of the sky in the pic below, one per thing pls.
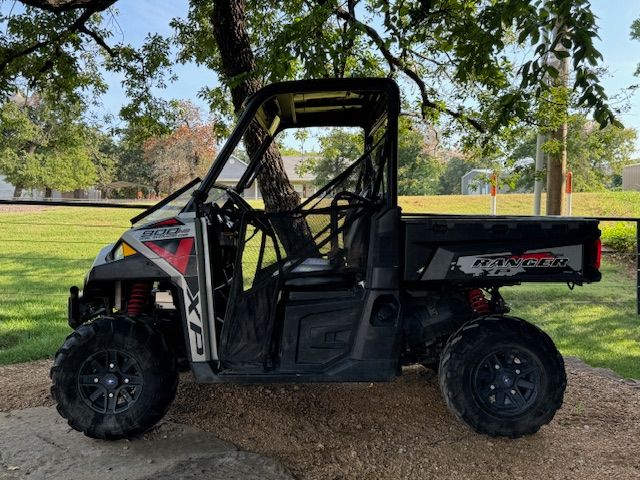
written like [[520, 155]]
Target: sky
[[138, 17]]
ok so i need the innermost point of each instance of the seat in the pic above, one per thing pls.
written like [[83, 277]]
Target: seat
[[309, 265], [314, 271]]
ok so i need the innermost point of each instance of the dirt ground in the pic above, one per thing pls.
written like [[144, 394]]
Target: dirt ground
[[396, 430]]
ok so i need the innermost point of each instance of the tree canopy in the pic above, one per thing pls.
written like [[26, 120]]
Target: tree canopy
[[183, 154], [46, 147], [472, 68], [465, 46], [595, 156]]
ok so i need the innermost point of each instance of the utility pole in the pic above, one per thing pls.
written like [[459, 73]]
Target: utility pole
[[557, 161], [540, 139], [537, 186]]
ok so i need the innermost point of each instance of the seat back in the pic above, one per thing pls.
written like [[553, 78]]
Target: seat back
[[356, 237]]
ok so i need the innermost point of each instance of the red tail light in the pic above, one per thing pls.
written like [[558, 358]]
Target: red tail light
[[598, 249]]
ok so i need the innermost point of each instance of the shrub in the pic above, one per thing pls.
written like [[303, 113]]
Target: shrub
[[619, 236]]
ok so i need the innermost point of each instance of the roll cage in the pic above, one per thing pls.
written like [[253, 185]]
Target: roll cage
[[364, 103]]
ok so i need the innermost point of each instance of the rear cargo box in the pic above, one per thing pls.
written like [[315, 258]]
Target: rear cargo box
[[500, 250]]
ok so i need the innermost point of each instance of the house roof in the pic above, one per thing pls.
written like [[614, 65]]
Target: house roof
[[290, 163], [235, 168], [476, 172]]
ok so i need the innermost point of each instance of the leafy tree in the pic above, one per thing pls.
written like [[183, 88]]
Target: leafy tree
[[20, 136], [595, 156], [338, 149], [418, 170], [46, 147], [182, 155], [635, 35], [460, 44], [104, 156], [455, 168], [54, 46]]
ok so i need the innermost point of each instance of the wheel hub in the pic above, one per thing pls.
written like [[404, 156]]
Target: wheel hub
[[110, 381], [507, 381]]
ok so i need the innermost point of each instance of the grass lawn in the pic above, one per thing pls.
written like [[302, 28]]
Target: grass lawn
[[46, 251]]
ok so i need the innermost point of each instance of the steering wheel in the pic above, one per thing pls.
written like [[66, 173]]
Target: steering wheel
[[239, 200], [345, 194]]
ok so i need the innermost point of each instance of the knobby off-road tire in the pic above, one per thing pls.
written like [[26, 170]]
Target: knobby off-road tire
[[114, 377], [502, 376]]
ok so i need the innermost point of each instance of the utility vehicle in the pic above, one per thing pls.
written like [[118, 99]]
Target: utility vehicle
[[341, 288]]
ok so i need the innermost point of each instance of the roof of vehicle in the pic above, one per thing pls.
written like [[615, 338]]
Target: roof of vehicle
[[332, 102]]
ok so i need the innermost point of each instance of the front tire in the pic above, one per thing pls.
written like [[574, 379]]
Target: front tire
[[502, 376], [114, 378]]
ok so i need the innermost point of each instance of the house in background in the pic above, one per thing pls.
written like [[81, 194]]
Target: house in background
[[231, 173], [631, 177], [476, 182], [7, 190], [235, 168]]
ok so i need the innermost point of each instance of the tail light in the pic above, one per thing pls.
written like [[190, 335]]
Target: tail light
[[598, 252]]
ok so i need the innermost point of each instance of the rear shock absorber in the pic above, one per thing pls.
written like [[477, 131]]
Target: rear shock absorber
[[478, 302], [140, 293]]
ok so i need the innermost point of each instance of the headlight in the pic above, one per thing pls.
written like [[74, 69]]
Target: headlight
[[120, 251]]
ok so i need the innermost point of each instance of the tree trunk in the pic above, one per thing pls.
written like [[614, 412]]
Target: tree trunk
[[17, 191], [556, 172], [229, 28], [47, 192], [557, 160]]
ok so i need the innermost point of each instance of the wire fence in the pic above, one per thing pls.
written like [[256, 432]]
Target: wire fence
[[45, 251]]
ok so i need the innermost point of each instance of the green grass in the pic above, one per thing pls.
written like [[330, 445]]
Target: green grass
[[45, 252], [42, 256], [596, 322]]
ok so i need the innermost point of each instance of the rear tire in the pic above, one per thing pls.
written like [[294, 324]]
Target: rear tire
[[502, 376], [114, 378]]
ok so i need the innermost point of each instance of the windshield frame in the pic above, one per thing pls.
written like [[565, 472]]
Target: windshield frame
[[162, 203]]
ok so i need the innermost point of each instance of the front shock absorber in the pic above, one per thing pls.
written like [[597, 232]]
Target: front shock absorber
[[478, 302], [140, 293]]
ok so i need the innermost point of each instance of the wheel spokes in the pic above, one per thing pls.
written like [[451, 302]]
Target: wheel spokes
[[506, 381], [521, 382], [88, 380], [110, 381], [111, 402], [112, 360], [132, 380], [100, 390]]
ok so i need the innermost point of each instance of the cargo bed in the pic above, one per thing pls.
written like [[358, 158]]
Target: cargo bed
[[491, 250]]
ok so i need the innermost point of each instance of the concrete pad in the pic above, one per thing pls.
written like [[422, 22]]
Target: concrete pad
[[37, 443]]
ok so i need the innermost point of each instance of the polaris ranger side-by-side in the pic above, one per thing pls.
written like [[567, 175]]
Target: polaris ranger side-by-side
[[342, 288]]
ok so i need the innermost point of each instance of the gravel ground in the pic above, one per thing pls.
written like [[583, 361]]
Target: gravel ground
[[397, 430]]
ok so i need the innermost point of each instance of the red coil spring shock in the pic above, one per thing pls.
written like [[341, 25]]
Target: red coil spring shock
[[478, 302], [137, 300]]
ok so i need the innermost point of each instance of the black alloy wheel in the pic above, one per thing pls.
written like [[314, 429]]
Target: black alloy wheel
[[507, 381], [114, 377], [502, 376], [110, 381]]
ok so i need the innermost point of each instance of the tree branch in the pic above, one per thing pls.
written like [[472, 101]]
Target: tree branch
[[78, 25], [98, 39], [68, 5], [395, 62]]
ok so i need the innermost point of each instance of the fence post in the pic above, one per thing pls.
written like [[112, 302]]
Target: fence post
[[568, 191], [494, 192]]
